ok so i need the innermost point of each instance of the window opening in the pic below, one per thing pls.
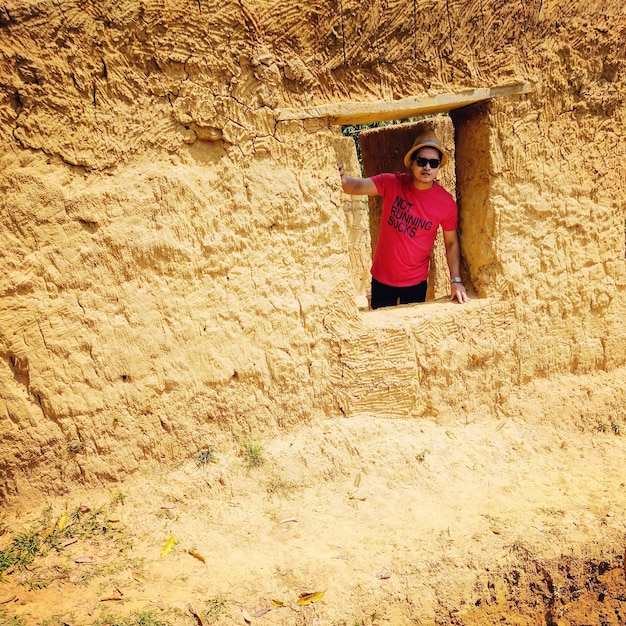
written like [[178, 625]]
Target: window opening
[[380, 147]]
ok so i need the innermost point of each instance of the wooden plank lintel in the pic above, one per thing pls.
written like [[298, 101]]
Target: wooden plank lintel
[[344, 113]]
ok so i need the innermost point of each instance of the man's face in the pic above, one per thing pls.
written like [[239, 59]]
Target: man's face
[[424, 172]]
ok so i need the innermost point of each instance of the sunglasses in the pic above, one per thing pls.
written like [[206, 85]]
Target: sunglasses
[[422, 162]]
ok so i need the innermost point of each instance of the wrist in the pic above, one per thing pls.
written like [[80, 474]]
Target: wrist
[[456, 280]]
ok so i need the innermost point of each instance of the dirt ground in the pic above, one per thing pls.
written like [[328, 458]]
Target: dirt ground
[[519, 520]]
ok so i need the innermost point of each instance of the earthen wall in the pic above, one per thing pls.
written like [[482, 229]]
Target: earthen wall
[[176, 261]]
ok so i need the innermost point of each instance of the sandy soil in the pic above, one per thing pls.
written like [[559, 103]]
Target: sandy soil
[[391, 521]]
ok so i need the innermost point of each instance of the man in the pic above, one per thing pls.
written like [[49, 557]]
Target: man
[[414, 206]]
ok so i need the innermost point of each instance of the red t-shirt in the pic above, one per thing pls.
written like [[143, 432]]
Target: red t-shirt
[[408, 227]]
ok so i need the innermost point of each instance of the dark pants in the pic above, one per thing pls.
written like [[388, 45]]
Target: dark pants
[[384, 295]]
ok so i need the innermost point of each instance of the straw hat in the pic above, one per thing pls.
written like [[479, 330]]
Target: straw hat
[[426, 139]]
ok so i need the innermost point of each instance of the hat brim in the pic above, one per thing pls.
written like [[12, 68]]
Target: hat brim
[[425, 144]]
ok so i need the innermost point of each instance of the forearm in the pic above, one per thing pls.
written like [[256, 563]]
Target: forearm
[[453, 257], [356, 186]]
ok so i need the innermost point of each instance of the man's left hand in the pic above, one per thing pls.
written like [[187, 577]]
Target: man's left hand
[[458, 293]]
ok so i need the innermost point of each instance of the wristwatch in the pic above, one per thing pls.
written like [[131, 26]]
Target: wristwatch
[[456, 279]]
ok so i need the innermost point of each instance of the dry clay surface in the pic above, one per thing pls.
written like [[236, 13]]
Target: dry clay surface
[[511, 514], [386, 521]]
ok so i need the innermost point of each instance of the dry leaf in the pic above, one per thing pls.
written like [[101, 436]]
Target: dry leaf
[[361, 498], [384, 575], [307, 598], [450, 434], [62, 522], [60, 576], [246, 616], [289, 519], [262, 612], [111, 599], [201, 621], [500, 426], [197, 555], [84, 559], [48, 531], [139, 577], [278, 603], [357, 480], [167, 548]]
